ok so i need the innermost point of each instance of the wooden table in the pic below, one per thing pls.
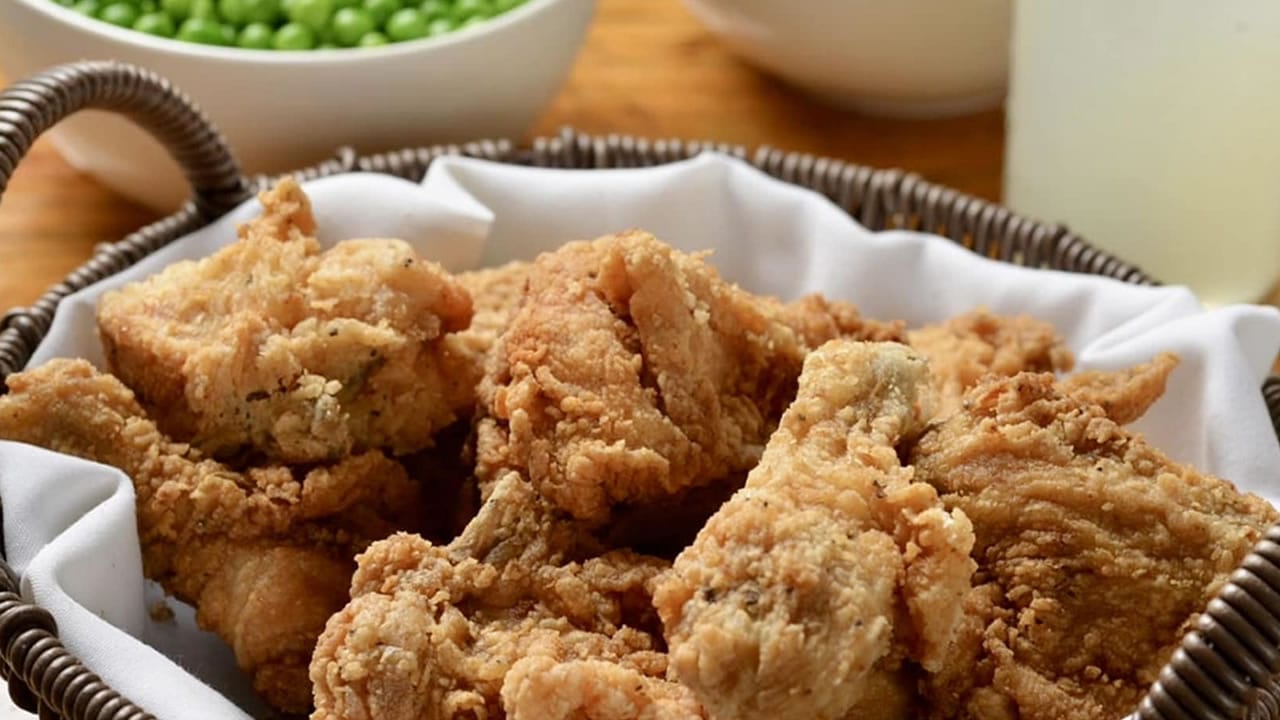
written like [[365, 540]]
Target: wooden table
[[647, 68]]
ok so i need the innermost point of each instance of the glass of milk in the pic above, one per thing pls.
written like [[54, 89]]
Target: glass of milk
[[1152, 129]]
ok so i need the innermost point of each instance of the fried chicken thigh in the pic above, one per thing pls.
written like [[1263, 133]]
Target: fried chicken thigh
[[830, 560], [265, 556], [632, 372], [270, 347], [523, 615], [1096, 552]]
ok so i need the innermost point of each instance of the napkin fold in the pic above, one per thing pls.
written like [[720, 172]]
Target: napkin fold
[[69, 524]]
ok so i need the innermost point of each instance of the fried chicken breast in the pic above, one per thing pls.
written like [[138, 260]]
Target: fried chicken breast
[[828, 559], [270, 347], [265, 556], [1096, 552]]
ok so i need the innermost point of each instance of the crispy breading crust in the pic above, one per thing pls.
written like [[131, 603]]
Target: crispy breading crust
[[830, 556], [1096, 552], [435, 632], [632, 372], [271, 347], [264, 555], [966, 348]]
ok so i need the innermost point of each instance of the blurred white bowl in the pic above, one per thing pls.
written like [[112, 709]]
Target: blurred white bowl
[[284, 110], [913, 58]]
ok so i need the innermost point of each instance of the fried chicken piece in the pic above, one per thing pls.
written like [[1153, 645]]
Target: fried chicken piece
[[539, 688], [968, 347], [495, 295], [436, 632], [265, 556], [1096, 552], [632, 372], [818, 320], [830, 560], [1123, 396], [271, 347]]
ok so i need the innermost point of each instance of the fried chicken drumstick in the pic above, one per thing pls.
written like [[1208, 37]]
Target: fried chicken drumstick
[[1096, 552], [829, 557], [273, 348], [265, 556]]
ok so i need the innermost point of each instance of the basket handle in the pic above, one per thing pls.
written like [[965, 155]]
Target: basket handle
[[42, 676], [34, 105]]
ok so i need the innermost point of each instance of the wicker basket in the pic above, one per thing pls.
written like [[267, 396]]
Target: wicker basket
[[1227, 668]]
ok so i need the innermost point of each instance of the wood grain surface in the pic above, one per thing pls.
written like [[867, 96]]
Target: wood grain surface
[[647, 68]]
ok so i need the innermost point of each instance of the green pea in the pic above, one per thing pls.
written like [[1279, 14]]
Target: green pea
[[381, 10], [232, 11], [501, 6], [473, 21], [406, 24], [179, 10], [201, 30], [229, 34], [155, 23], [339, 4], [87, 7], [314, 14], [463, 9], [373, 39], [243, 12], [205, 10], [148, 6], [255, 36], [351, 24], [263, 11], [441, 26], [294, 36], [434, 9]]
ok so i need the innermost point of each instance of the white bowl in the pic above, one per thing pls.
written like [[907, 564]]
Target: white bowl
[[284, 110], [915, 58]]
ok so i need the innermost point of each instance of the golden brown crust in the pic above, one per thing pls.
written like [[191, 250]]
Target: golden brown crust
[[968, 347], [1123, 396], [632, 372], [1096, 551], [271, 347], [435, 632], [264, 555], [829, 558]]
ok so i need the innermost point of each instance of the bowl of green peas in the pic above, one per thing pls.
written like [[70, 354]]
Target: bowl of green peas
[[289, 81]]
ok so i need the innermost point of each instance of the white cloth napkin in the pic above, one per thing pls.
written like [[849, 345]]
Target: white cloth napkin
[[69, 524]]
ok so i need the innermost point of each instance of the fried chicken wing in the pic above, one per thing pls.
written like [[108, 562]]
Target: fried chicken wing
[[1096, 552], [632, 372], [265, 556], [966, 348], [436, 632], [828, 559], [271, 347]]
